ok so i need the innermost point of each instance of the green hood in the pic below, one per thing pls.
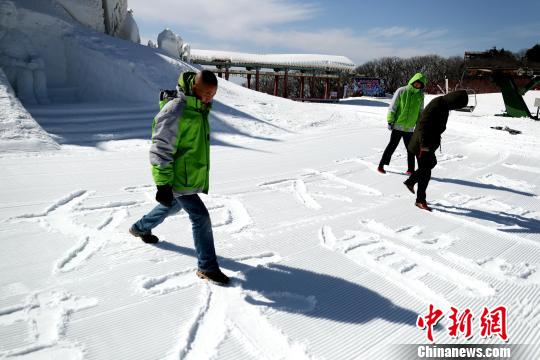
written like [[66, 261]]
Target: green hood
[[417, 77], [185, 83]]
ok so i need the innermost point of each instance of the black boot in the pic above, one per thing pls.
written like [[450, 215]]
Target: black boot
[[409, 186], [216, 277], [146, 237]]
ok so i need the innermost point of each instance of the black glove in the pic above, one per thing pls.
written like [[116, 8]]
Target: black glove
[[390, 126], [164, 195]]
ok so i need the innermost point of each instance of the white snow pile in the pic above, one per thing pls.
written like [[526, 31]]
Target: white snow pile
[[79, 64], [108, 16], [96, 67], [89, 69], [18, 130], [129, 30], [173, 45], [86, 12]]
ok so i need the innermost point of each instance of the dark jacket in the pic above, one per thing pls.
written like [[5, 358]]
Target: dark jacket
[[433, 120]]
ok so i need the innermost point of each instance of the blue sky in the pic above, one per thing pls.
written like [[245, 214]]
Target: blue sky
[[360, 30]]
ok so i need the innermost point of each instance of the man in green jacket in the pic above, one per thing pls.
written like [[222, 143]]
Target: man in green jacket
[[180, 159], [405, 109]]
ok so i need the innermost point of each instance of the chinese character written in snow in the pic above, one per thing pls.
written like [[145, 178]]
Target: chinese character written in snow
[[494, 323], [429, 321], [460, 324]]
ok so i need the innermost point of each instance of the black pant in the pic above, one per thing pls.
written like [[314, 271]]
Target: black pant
[[422, 175], [395, 137]]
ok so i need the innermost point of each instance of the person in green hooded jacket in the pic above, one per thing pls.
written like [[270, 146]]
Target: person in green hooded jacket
[[180, 159], [403, 113]]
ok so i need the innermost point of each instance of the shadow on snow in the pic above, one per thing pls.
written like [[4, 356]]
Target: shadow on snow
[[526, 225], [364, 102], [95, 134], [336, 299], [482, 186]]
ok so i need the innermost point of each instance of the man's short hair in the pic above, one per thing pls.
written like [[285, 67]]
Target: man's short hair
[[208, 78]]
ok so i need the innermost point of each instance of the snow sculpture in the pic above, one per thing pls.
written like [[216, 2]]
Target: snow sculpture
[[115, 11], [23, 67], [86, 12], [186, 52], [170, 43], [129, 29], [109, 16]]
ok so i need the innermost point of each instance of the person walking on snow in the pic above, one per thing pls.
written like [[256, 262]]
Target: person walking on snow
[[403, 113], [180, 159], [427, 138]]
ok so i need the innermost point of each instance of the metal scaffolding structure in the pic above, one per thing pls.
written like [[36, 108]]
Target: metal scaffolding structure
[[314, 68]]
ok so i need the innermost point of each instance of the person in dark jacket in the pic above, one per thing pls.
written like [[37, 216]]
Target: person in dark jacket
[[427, 138]]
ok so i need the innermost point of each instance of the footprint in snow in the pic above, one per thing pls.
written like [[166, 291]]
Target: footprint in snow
[[47, 315], [500, 181], [230, 312], [378, 248], [64, 216]]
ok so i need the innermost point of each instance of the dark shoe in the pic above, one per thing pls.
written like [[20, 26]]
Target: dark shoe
[[409, 186], [422, 205], [216, 277], [146, 237], [381, 169]]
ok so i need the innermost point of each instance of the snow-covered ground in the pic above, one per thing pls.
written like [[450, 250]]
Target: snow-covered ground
[[329, 259]]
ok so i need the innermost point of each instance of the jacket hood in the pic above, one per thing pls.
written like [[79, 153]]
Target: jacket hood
[[418, 77], [185, 83], [456, 99]]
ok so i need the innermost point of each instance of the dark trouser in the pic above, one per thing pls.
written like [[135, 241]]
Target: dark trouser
[[422, 175], [395, 137], [200, 223]]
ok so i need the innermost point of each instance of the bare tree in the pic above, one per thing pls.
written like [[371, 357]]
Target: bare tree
[[397, 71]]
